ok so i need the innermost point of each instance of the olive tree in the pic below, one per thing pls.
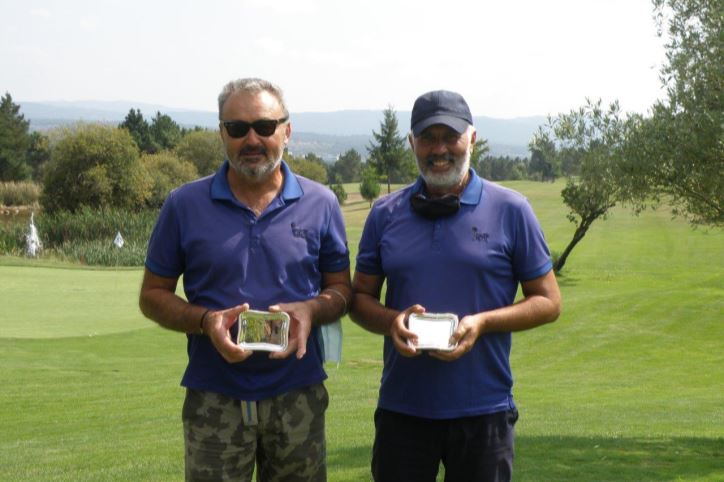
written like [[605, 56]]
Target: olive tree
[[675, 155], [595, 136]]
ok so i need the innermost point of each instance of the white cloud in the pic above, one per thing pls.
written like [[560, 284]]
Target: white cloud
[[523, 57], [40, 12], [269, 45], [89, 24], [284, 7]]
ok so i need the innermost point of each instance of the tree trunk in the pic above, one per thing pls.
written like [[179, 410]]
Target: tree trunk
[[577, 237]]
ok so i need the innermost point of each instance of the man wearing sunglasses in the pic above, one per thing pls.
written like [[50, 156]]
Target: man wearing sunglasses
[[252, 236], [451, 243]]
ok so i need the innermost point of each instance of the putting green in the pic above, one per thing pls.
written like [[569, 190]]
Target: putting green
[[47, 302]]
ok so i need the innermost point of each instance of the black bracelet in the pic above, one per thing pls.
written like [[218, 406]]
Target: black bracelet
[[201, 322]]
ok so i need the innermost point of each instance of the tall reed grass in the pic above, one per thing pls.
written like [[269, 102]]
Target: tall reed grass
[[85, 236], [22, 193]]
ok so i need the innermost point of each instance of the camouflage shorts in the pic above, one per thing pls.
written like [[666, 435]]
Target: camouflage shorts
[[284, 435]]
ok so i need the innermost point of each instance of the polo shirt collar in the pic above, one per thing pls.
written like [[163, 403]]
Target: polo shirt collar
[[291, 188], [471, 194], [220, 189]]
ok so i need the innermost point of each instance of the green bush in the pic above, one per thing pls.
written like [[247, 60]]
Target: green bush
[[167, 172], [369, 188], [204, 149], [94, 165], [12, 238], [23, 193], [308, 168], [338, 190]]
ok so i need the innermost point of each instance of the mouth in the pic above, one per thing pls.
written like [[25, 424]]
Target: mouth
[[253, 155], [440, 163]]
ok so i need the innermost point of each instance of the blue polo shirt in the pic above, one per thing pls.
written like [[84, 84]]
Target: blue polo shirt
[[470, 262], [229, 256]]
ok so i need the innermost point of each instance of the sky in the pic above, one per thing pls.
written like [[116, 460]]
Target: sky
[[508, 58]]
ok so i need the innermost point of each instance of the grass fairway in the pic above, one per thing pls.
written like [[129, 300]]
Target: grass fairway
[[627, 385]]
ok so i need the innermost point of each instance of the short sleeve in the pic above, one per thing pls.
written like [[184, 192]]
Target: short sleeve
[[531, 257], [334, 253], [369, 260], [164, 256]]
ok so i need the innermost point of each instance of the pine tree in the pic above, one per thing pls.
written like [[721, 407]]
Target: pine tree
[[140, 131], [164, 131], [14, 141], [387, 150]]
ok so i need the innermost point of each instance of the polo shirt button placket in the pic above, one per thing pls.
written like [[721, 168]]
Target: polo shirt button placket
[[436, 235], [253, 236]]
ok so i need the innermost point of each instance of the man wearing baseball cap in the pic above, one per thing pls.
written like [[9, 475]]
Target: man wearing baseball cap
[[452, 243]]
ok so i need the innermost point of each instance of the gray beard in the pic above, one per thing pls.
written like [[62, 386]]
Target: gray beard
[[450, 179], [257, 173]]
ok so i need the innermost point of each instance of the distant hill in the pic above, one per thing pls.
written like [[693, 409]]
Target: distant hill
[[327, 134]]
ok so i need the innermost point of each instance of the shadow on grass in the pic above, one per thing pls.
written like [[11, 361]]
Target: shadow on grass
[[360, 207], [618, 459], [580, 459], [565, 280]]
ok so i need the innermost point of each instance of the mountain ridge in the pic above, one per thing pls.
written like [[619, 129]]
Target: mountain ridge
[[327, 134]]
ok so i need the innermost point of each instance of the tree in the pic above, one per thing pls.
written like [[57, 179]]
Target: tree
[[96, 166], [677, 152], [14, 141], [477, 157], [544, 161], [369, 188], [38, 154], [139, 130], [407, 170], [597, 137], [339, 192], [167, 172], [497, 168], [348, 167], [310, 166], [312, 157], [204, 149], [164, 132], [387, 149]]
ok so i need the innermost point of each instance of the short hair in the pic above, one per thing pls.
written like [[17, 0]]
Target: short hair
[[252, 85]]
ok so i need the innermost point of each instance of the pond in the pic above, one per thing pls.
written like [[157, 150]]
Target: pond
[[16, 214]]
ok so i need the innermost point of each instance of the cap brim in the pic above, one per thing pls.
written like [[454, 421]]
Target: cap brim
[[454, 123]]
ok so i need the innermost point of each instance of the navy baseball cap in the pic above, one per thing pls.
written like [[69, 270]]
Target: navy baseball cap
[[440, 107]]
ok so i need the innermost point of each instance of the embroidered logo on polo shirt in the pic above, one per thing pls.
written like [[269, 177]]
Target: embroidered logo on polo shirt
[[478, 236], [299, 232]]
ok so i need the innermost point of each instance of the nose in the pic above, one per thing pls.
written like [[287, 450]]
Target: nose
[[439, 146], [252, 138]]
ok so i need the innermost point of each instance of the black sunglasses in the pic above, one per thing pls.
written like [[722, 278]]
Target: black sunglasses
[[263, 127]]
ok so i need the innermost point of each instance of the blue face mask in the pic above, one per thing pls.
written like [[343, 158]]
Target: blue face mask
[[332, 341], [435, 208]]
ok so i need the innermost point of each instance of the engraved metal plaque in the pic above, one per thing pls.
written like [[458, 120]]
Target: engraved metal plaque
[[433, 330], [263, 330]]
